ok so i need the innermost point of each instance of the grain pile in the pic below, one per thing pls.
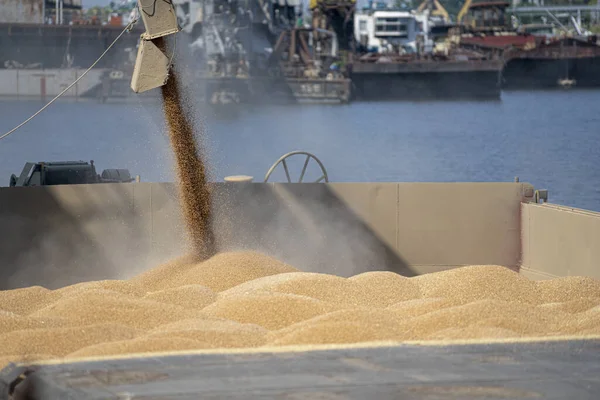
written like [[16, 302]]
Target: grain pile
[[191, 171], [247, 299]]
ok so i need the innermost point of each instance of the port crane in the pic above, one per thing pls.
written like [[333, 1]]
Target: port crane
[[435, 7], [463, 11]]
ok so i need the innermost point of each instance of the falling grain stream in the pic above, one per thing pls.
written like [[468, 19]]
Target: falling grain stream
[[191, 171]]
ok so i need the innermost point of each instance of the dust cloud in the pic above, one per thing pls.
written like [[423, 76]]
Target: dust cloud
[[305, 225]]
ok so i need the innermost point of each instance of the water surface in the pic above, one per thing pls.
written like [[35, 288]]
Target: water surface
[[550, 139]]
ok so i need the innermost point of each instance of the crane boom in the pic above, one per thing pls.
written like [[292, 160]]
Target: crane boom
[[463, 11], [436, 8]]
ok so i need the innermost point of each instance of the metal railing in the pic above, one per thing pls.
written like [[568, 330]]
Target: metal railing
[[544, 9]]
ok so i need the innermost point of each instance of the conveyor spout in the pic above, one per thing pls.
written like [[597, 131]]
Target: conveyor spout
[[152, 63]]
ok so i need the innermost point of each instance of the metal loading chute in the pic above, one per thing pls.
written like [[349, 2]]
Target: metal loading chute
[[152, 64]]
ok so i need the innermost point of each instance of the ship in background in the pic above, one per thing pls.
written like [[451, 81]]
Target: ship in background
[[242, 51], [47, 44], [260, 51], [535, 55], [264, 51], [417, 54], [407, 55]]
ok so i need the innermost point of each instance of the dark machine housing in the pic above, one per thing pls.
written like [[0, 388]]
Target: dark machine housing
[[67, 173]]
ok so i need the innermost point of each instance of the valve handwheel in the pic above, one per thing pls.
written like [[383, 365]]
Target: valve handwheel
[[309, 156]]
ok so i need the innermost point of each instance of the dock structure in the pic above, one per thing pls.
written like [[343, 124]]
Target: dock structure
[[575, 12], [545, 9], [260, 51]]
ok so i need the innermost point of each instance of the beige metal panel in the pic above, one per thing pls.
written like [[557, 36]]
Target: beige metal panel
[[104, 212], [159, 18], [535, 275], [342, 228], [141, 244], [250, 216], [151, 68], [429, 269], [376, 204], [525, 234], [112, 230], [561, 241], [112, 201], [106, 216], [459, 223], [168, 230], [34, 227], [65, 234]]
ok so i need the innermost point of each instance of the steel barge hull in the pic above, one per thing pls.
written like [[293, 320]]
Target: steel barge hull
[[426, 80]]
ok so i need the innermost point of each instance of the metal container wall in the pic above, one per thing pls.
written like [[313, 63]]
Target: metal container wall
[[559, 241], [60, 235]]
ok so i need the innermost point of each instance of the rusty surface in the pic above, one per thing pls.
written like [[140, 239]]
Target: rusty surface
[[21, 11], [563, 48], [489, 4], [503, 41]]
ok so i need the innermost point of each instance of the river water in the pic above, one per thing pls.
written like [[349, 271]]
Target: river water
[[548, 138]]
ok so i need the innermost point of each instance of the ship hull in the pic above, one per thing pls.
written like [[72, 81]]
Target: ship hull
[[534, 62], [266, 90], [63, 46], [532, 73], [426, 82]]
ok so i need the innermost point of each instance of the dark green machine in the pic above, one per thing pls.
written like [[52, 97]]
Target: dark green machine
[[67, 173]]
